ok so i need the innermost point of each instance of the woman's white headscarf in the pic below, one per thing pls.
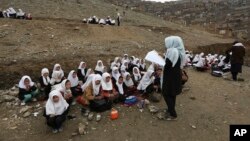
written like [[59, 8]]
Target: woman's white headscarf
[[137, 76], [21, 82], [88, 81], [74, 81], [129, 82], [96, 88], [136, 62], [61, 71], [107, 86], [58, 108], [115, 73], [146, 80], [99, 68], [175, 50], [120, 87], [142, 63], [47, 79], [81, 68], [116, 63]]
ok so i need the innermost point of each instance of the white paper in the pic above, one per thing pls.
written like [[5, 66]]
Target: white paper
[[154, 57]]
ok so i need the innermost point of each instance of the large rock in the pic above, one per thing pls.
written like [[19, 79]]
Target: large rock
[[7, 98], [26, 114], [24, 109]]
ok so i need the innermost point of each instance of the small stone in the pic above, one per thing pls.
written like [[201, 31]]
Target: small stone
[[160, 115], [93, 128], [5, 119], [192, 98], [26, 114], [24, 109], [91, 116], [74, 134], [153, 109], [13, 128], [77, 28], [81, 129], [193, 126]]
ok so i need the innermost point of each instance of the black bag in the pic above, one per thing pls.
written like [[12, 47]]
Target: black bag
[[100, 105]]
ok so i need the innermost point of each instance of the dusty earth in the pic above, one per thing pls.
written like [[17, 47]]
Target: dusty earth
[[55, 36]]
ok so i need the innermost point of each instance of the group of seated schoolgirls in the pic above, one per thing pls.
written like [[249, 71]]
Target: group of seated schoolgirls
[[97, 89], [12, 13], [218, 64], [101, 21]]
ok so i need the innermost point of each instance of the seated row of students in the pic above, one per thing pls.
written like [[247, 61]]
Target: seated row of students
[[96, 89], [101, 21], [218, 64], [12, 13]]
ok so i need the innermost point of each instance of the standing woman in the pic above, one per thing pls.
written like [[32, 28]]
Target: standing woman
[[237, 59], [175, 60]]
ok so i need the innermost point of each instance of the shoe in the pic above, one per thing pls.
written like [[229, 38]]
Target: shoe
[[54, 131], [23, 103], [60, 129], [73, 103], [34, 99], [98, 117], [170, 118], [71, 117]]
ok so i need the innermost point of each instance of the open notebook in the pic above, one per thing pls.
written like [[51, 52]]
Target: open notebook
[[154, 57]]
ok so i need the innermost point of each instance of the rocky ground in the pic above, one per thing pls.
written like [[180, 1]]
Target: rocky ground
[[55, 36]]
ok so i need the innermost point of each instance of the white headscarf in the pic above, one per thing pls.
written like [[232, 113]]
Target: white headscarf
[[21, 82], [88, 73], [120, 88], [81, 68], [137, 76], [129, 82], [146, 80], [62, 87], [136, 62], [125, 58], [151, 67], [99, 68], [239, 45], [107, 86], [88, 81], [175, 49], [96, 88], [55, 77], [201, 63], [74, 81], [58, 108], [196, 58], [47, 79], [116, 63], [61, 71], [115, 73], [142, 63]]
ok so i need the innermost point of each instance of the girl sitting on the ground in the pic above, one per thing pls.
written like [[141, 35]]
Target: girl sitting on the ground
[[27, 90], [56, 110], [44, 82], [108, 90], [82, 71], [75, 86], [57, 75]]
